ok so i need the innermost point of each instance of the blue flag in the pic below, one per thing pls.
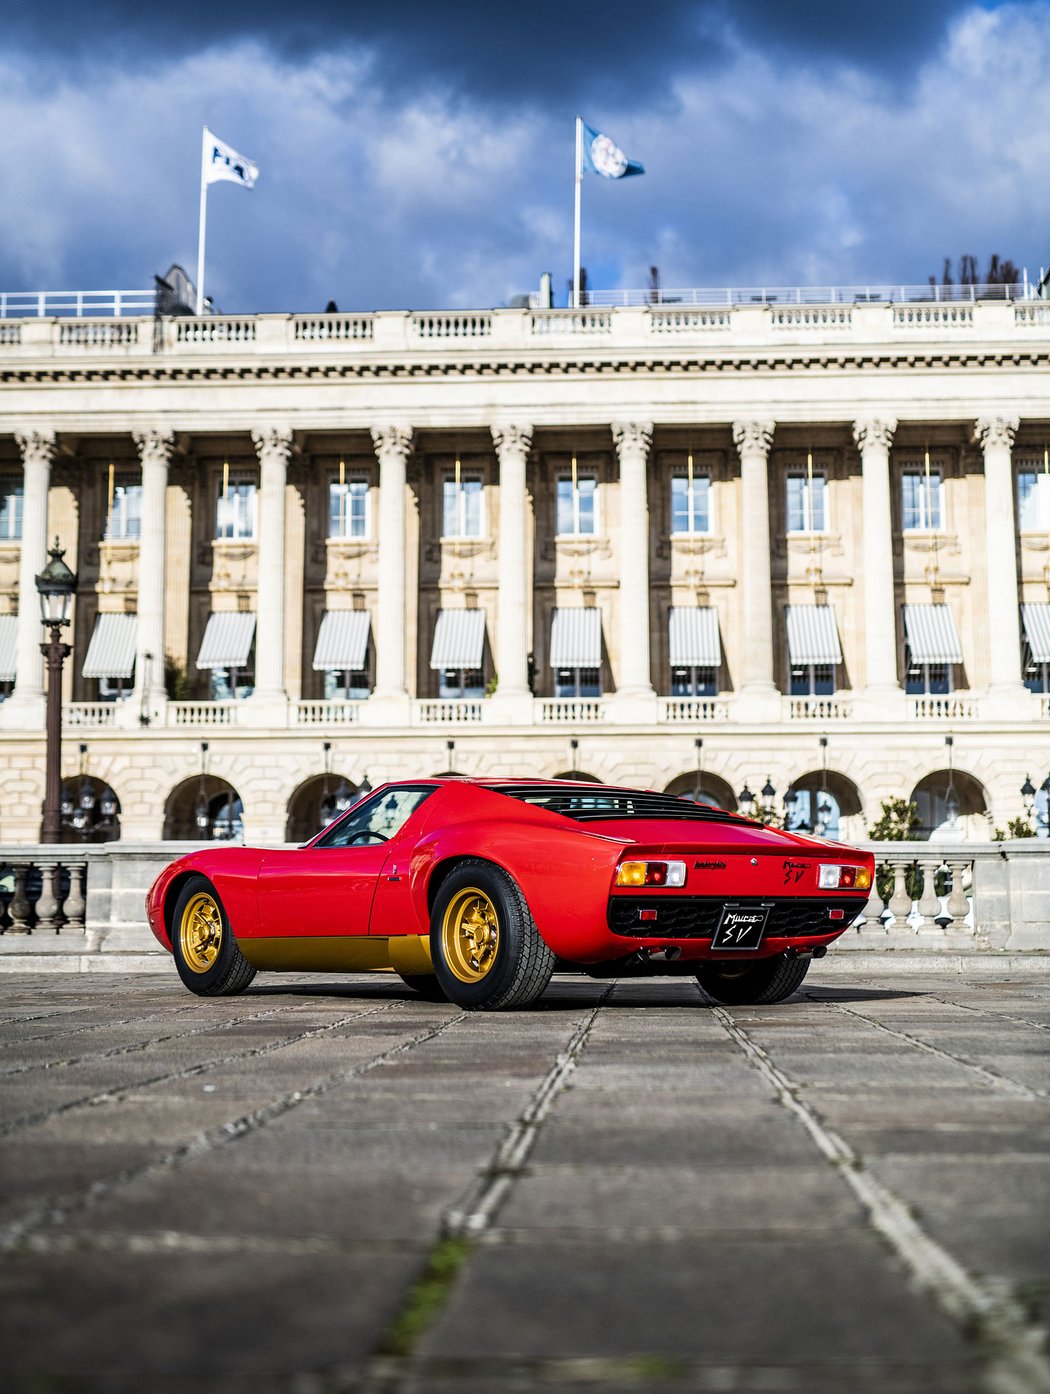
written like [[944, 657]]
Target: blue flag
[[603, 156]]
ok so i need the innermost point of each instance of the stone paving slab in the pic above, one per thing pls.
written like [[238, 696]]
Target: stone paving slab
[[640, 1181]]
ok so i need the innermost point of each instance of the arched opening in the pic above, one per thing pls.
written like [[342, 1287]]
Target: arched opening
[[204, 808], [318, 801], [952, 807], [824, 803], [90, 810], [703, 788], [579, 775]]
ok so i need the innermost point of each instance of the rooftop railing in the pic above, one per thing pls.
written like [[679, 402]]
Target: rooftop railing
[[75, 304], [809, 295]]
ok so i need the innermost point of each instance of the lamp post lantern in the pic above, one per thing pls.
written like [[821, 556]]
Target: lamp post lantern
[[56, 585]]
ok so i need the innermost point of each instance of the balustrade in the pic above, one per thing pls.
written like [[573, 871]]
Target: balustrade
[[819, 708], [43, 891], [689, 709], [325, 712], [571, 710], [944, 708], [97, 715], [920, 892], [441, 710], [203, 713], [324, 328]]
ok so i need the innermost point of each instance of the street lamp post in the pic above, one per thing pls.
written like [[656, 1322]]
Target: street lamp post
[[56, 585]]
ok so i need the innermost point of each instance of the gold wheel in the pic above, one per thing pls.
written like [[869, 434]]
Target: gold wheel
[[470, 935], [200, 932]]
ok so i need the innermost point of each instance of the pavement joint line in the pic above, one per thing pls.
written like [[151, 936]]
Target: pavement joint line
[[180, 1242], [32, 1120], [107, 1025], [483, 1198], [57, 1209], [991, 1077], [994, 1016], [134, 1046], [1012, 1346]]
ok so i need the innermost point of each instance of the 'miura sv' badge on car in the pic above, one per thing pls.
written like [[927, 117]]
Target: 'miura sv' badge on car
[[794, 872], [709, 866], [741, 927]]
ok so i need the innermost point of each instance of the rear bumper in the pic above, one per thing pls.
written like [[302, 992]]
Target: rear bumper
[[656, 916]]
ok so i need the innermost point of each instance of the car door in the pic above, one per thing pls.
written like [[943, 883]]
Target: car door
[[327, 889]]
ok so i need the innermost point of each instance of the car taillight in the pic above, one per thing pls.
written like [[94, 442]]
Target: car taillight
[[650, 874], [843, 878]]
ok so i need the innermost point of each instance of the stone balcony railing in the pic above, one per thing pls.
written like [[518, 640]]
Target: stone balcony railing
[[630, 327]]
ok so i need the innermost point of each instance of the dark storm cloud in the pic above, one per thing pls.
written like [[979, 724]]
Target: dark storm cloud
[[618, 50]]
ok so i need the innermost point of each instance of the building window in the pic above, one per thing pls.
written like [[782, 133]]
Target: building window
[[1033, 500], [805, 502], [694, 682], [577, 496], [461, 682], [812, 679], [690, 502], [462, 505], [921, 500], [928, 679], [10, 510], [229, 684], [346, 685], [348, 508], [235, 513], [577, 682], [1037, 677], [124, 514]]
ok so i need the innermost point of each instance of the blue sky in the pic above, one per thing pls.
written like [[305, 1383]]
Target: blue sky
[[420, 154]]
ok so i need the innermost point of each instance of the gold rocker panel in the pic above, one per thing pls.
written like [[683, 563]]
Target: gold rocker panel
[[405, 953]]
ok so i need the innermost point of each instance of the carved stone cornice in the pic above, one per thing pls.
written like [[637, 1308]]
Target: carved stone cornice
[[36, 447], [632, 437], [753, 437], [874, 431], [392, 439], [273, 441], [155, 446], [514, 440], [996, 432]]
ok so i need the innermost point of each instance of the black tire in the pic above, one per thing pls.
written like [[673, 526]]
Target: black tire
[[425, 985], [207, 968], [753, 984], [517, 969]]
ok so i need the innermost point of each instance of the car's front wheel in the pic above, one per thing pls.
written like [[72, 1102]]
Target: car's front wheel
[[487, 951], [753, 984], [202, 943]]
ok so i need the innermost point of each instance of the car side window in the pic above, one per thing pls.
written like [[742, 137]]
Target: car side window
[[376, 819]]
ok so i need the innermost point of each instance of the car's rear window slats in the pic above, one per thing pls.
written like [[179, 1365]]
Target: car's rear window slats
[[602, 804]]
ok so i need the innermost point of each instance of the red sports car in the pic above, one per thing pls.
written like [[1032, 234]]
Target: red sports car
[[476, 890]]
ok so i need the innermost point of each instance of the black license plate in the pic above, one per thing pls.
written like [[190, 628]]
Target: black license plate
[[741, 927]]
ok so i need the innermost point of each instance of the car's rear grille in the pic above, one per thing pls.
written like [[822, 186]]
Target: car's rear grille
[[697, 916]]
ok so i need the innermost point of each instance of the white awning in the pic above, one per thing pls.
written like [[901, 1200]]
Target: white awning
[[1035, 617], [227, 640], [8, 645], [931, 634], [576, 638], [694, 637], [342, 641], [459, 639], [813, 635], [111, 653]]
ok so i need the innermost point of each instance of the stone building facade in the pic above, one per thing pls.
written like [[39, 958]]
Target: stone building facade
[[795, 547]]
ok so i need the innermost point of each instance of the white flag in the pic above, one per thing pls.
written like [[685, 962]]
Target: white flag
[[221, 161]]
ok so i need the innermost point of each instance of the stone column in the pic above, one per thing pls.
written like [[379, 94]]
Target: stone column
[[996, 437], [874, 437], [25, 707], [512, 700], [389, 702], [633, 440], [150, 698], [759, 696], [269, 701]]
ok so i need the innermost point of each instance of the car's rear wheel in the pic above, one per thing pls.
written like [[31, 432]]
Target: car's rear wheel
[[205, 951], [487, 951], [425, 984], [753, 984]]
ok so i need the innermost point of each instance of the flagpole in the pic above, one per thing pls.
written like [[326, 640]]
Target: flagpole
[[576, 216], [201, 226]]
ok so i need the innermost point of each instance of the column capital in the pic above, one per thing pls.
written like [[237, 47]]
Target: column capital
[[874, 430], [515, 440], [154, 445], [273, 440], [753, 437], [996, 431], [632, 437], [392, 439], [37, 447]]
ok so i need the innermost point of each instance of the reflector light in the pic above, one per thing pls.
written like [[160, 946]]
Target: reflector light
[[836, 914], [647, 914]]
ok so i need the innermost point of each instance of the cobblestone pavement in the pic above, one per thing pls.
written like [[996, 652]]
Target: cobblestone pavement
[[335, 1185]]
